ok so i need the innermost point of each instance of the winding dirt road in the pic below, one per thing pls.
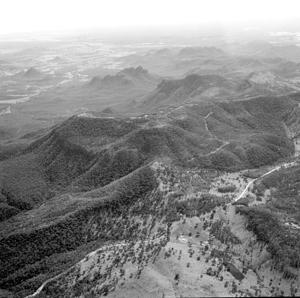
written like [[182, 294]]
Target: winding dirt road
[[225, 143]]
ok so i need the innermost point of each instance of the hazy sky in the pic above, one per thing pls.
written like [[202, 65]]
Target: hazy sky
[[53, 15]]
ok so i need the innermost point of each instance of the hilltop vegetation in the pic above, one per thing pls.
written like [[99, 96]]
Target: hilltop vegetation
[[88, 152]]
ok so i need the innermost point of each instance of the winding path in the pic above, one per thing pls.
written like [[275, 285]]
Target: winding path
[[225, 143], [290, 135], [252, 181], [284, 165], [39, 290]]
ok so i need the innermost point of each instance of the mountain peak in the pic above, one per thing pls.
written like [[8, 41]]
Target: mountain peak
[[32, 72], [134, 71], [128, 77], [107, 110]]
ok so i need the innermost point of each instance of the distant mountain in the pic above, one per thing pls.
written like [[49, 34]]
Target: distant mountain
[[113, 90], [127, 78], [115, 81], [32, 73], [211, 87], [173, 61], [200, 51], [238, 67], [163, 52], [107, 110], [193, 87], [233, 61], [267, 81], [57, 59], [287, 69], [268, 50]]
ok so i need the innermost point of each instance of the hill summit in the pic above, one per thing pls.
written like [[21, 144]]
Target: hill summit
[[126, 78]]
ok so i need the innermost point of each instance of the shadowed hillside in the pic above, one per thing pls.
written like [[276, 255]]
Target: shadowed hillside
[[68, 223], [85, 152]]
